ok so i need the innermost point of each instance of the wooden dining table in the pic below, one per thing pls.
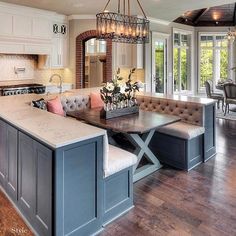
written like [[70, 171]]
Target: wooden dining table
[[138, 128]]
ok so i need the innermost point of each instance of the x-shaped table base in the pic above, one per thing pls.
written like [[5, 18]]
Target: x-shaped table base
[[142, 150]]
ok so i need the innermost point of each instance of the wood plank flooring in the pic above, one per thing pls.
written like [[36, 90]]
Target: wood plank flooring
[[173, 202]]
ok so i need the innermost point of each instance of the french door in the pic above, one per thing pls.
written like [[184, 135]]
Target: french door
[[159, 63]]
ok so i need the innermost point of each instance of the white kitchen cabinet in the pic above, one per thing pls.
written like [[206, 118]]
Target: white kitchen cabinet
[[127, 56], [22, 26], [59, 53], [41, 28], [6, 22], [60, 47], [138, 56]]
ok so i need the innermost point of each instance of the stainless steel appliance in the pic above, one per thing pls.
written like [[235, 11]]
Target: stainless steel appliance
[[22, 89]]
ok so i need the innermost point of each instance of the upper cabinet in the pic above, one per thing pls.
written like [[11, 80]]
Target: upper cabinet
[[22, 26], [60, 46], [41, 28], [6, 22], [128, 55]]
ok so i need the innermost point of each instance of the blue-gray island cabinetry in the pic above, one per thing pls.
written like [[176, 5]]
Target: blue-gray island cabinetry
[[58, 190]]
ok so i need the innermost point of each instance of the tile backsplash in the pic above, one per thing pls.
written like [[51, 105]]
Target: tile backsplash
[[29, 72]]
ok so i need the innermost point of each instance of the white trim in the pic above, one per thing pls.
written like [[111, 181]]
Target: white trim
[[230, 57], [192, 79], [82, 17], [160, 35], [165, 38], [93, 17], [158, 21]]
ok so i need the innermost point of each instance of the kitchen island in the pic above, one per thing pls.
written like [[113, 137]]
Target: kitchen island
[[51, 168]]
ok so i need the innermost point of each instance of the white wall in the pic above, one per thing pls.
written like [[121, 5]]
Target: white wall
[[76, 28]]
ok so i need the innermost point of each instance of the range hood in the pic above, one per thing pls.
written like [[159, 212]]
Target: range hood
[[31, 47]]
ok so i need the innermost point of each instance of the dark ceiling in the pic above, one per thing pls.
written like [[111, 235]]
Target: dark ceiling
[[224, 15]]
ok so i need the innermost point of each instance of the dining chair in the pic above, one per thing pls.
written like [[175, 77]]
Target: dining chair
[[216, 96], [230, 95]]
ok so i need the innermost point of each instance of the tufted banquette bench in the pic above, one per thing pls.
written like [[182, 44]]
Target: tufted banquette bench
[[75, 103], [117, 166], [188, 142]]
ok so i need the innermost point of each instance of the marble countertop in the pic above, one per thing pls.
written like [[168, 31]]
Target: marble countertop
[[57, 131], [51, 129]]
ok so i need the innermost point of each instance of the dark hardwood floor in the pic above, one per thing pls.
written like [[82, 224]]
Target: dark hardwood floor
[[173, 202]]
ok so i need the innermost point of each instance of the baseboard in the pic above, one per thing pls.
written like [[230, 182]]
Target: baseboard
[[19, 212], [116, 217]]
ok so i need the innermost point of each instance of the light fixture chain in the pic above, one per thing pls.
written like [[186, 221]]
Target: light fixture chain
[[141, 9], [129, 7], [106, 5], [124, 6]]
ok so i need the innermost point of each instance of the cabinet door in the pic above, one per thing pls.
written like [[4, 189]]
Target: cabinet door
[[3, 153], [26, 176], [56, 52], [22, 26], [5, 24], [124, 55], [59, 52], [41, 28], [43, 207], [35, 183], [12, 171]]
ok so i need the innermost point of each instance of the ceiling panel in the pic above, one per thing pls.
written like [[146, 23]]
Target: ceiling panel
[[161, 9]]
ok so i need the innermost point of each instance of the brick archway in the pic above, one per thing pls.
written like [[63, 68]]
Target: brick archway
[[80, 54]]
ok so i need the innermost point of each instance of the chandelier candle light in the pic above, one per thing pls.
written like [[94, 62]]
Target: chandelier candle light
[[123, 27]]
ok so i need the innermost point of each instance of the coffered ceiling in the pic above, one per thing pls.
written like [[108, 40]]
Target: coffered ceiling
[[224, 15], [161, 9]]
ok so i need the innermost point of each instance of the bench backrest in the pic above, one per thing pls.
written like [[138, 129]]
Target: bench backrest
[[75, 103], [191, 113]]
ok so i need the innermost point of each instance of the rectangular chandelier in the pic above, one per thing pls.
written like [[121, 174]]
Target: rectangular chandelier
[[122, 28]]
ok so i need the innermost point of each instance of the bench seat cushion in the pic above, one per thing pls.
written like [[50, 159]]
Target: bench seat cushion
[[182, 130], [118, 159]]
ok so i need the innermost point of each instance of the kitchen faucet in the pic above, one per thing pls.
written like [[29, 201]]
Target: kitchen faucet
[[60, 78]]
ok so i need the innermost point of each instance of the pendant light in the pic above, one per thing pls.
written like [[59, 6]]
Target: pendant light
[[123, 27]]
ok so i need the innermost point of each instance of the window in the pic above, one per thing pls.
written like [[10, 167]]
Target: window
[[182, 61], [213, 59]]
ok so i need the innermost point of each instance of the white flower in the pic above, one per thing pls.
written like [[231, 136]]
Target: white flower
[[140, 84], [110, 87], [122, 89]]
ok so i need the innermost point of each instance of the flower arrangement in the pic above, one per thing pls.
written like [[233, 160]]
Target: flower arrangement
[[116, 95]]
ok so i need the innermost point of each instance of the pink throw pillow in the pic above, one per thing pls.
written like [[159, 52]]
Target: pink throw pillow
[[55, 106], [96, 100]]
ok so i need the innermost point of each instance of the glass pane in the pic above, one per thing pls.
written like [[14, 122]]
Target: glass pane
[[221, 41], [160, 66], [176, 69], [206, 41], [206, 66], [184, 69], [221, 64], [177, 39], [184, 40]]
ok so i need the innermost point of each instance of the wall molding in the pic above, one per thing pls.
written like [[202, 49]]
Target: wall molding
[[93, 17]]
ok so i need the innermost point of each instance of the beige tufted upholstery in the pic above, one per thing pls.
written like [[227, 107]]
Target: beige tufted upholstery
[[191, 113], [182, 130], [75, 103]]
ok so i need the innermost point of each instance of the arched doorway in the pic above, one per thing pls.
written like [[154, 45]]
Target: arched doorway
[[80, 58]]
